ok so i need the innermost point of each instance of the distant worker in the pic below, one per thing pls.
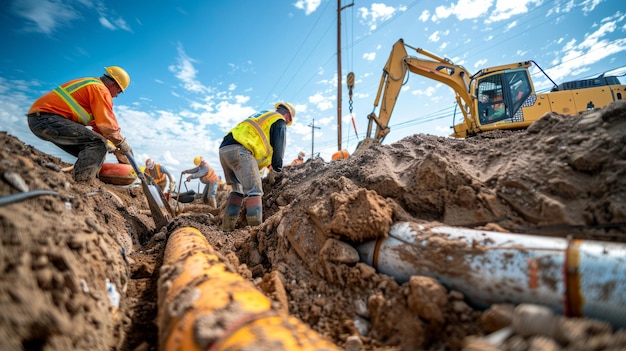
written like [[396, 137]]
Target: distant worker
[[61, 115], [252, 145], [299, 160], [207, 176], [340, 155], [159, 174]]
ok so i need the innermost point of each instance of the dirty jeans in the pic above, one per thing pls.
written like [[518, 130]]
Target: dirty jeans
[[210, 191], [75, 139], [241, 170]]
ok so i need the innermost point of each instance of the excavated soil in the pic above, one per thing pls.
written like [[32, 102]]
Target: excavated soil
[[79, 264]]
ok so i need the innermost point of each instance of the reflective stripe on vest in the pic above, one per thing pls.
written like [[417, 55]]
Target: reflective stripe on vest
[[253, 134], [65, 93], [210, 176], [159, 177]]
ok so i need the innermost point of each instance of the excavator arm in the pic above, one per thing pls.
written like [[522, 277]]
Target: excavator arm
[[398, 65]]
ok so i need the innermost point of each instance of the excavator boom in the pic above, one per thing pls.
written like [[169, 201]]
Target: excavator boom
[[398, 65]]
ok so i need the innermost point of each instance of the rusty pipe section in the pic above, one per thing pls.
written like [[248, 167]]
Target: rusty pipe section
[[576, 278], [205, 305]]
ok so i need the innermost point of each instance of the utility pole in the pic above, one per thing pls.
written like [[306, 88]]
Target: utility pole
[[339, 8], [313, 127]]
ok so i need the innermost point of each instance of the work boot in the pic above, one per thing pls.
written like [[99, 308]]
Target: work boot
[[254, 210], [229, 220]]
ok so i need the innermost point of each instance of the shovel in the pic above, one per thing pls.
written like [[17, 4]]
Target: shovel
[[156, 204], [176, 209], [157, 192]]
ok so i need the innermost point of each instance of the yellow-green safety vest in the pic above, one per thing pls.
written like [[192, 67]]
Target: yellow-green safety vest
[[254, 134]]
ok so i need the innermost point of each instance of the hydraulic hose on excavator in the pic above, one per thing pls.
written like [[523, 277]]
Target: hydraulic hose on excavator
[[204, 305], [577, 278]]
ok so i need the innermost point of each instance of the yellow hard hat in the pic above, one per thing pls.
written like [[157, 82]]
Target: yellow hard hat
[[197, 160], [119, 75], [292, 110]]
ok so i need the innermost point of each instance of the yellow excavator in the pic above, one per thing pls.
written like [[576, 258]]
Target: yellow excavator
[[501, 97]]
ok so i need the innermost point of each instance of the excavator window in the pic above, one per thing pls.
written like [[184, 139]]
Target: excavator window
[[491, 104], [501, 95], [519, 88]]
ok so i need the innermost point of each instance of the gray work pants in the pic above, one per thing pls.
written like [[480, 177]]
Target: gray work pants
[[75, 139], [210, 191], [241, 170]]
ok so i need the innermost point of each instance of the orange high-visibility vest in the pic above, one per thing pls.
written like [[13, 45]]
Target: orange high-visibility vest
[[210, 176], [65, 92]]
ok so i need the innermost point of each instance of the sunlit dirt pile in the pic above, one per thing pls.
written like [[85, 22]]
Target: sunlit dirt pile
[[79, 266]]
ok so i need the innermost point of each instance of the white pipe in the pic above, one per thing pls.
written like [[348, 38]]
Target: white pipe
[[573, 277]]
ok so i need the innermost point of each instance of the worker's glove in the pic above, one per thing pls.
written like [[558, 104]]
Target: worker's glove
[[189, 179], [110, 146], [172, 185], [121, 157], [124, 147], [272, 177]]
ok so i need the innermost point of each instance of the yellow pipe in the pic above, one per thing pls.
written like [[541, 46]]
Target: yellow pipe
[[204, 305]]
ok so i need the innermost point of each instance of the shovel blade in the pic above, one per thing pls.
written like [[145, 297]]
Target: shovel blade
[[160, 219]]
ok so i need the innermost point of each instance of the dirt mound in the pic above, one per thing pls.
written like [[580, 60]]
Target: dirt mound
[[80, 262]]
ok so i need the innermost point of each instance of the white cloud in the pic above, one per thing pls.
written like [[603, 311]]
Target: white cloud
[[322, 102], [47, 15], [106, 24], [434, 37], [377, 14], [424, 16], [506, 9], [575, 58], [511, 25], [590, 5], [369, 56], [480, 63], [186, 73], [464, 9], [309, 6], [430, 91]]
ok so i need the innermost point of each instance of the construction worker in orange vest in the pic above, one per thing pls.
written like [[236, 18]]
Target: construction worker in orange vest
[[159, 174], [207, 176], [299, 160], [62, 115]]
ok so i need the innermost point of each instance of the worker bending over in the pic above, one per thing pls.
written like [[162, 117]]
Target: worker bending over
[[207, 176], [299, 160], [255, 143], [61, 115], [159, 174]]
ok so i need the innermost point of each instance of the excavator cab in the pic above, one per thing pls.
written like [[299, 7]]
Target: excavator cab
[[501, 95]]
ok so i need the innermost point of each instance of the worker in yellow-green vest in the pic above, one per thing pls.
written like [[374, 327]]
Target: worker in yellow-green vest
[[255, 143], [62, 115]]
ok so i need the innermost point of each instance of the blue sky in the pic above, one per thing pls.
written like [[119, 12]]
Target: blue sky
[[198, 67]]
